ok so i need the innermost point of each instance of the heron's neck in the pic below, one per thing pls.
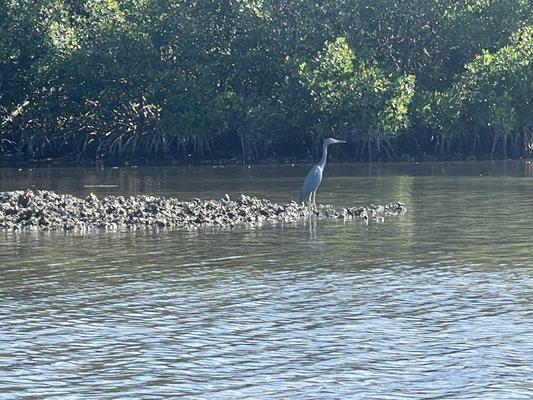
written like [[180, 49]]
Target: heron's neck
[[322, 162]]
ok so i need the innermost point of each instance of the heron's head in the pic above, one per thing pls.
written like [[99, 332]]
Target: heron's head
[[329, 141]]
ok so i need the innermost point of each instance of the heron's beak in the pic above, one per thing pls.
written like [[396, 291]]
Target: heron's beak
[[340, 141]]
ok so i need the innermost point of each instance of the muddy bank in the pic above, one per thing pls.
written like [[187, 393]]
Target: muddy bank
[[47, 210]]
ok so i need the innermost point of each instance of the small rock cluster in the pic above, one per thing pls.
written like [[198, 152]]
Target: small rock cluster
[[48, 210]]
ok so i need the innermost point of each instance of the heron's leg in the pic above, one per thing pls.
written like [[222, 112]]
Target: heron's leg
[[314, 200], [309, 202]]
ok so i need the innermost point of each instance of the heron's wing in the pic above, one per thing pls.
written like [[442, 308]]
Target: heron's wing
[[311, 182]]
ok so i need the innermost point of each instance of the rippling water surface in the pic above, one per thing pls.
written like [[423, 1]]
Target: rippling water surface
[[432, 305]]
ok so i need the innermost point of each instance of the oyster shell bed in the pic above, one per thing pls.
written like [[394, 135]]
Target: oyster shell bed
[[48, 210]]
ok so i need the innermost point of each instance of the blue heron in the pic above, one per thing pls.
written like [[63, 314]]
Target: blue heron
[[314, 176]]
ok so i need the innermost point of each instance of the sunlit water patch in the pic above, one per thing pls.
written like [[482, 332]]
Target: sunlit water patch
[[434, 304]]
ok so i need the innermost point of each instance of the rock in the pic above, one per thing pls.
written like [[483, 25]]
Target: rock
[[91, 199], [46, 210], [23, 200]]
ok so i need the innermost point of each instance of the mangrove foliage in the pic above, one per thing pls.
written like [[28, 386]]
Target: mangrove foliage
[[193, 81]]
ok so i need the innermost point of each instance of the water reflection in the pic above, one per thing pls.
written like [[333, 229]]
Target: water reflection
[[435, 304], [189, 182]]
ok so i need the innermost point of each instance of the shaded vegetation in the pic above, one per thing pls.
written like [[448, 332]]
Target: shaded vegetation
[[260, 79]]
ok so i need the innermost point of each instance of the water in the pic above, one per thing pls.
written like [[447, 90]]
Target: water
[[432, 305]]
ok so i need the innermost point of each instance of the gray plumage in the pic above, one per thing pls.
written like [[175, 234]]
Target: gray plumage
[[311, 182], [314, 177]]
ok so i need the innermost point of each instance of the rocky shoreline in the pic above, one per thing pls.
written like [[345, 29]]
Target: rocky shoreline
[[48, 210]]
